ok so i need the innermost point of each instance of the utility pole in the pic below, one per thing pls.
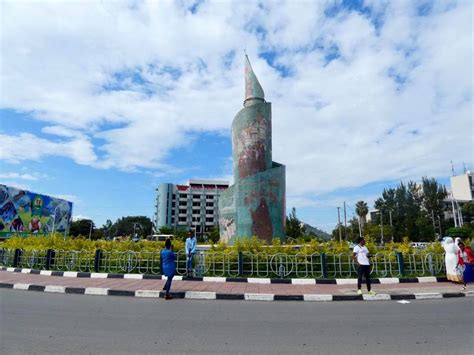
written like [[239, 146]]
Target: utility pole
[[345, 221], [391, 225], [339, 223], [90, 230], [454, 210], [360, 228], [381, 227]]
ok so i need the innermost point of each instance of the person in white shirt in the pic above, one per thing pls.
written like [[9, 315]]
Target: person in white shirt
[[361, 257]]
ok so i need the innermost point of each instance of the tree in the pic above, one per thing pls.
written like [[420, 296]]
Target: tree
[[468, 212], [81, 227], [361, 210], [125, 226], [294, 227]]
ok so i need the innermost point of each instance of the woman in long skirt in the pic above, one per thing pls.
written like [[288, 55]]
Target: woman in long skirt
[[451, 260], [466, 263]]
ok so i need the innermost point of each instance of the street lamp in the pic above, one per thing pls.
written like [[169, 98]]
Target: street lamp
[[381, 227], [54, 219]]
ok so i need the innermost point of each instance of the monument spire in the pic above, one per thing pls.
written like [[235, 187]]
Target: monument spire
[[253, 90]]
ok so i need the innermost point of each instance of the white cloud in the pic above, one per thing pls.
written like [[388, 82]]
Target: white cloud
[[18, 176], [120, 86]]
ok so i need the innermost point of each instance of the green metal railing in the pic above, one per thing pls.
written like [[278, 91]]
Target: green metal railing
[[227, 264]]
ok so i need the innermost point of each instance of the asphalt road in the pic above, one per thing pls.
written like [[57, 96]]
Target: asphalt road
[[39, 323]]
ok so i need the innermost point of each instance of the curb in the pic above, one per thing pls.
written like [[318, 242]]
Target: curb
[[197, 295], [300, 281]]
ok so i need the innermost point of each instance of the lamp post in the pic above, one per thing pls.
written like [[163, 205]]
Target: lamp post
[[90, 230], [381, 227], [54, 219]]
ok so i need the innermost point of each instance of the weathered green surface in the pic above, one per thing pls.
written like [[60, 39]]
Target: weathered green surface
[[255, 204]]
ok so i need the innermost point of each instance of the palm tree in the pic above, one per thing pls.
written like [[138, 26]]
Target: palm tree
[[362, 209]]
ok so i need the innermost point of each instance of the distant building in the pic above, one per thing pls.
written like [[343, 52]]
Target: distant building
[[192, 206]]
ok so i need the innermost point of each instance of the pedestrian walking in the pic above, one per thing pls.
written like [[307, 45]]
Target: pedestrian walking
[[361, 257], [190, 248], [168, 259], [465, 264]]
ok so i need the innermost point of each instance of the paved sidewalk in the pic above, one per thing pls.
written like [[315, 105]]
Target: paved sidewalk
[[201, 289]]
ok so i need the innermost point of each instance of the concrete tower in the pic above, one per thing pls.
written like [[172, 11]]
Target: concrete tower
[[255, 204]]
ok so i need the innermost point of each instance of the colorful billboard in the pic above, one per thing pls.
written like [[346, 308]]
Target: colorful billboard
[[24, 213]]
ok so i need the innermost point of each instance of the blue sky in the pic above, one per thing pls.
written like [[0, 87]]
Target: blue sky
[[100, 102]]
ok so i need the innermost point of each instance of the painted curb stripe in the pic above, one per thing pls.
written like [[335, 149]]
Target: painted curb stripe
[[98, 275], [76, 290], [427, 296], [115, 276], [133, 276], [258, 297], [57, 273], [70, 274], [347, 298], [288, 298], [96, 291], [236, 279], [21, 286], [317, 297], [152, 277], [84, 274], [389, 280], [17, 269], [213, 279], [453, 294], [10, 269], [200, 295], [5, 285], [121, 293], [346, 281], [147, 293], [280, 281], [191, 278], [36, 288], [427, 279], [230, 296], [469, 293], [45, 272], [303, 281], [173, 294], [408, 280], [55, 289], [25, 271], [377, 297], [402, 297], [254, 280], [35, 272]]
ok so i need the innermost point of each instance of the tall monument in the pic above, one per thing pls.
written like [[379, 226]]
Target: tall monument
[[255, 204]]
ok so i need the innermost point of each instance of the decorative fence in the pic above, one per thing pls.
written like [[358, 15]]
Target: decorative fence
[[228, 264]]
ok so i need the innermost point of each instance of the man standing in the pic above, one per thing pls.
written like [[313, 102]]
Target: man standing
[[168, 259], [361, 257], [190, 248]]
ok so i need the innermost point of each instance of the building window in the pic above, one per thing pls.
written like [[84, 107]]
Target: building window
[[182, 211], [182, 203], [210, 219], [209, 204], [182, 219], [196, 204]]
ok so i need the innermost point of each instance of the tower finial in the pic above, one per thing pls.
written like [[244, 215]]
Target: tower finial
[[253, 89]]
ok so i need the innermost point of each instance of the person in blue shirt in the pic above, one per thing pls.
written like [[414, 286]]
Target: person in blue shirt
[[190, 249], [168, 259]]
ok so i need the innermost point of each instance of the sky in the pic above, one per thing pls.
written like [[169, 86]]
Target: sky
[[101, 101]]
